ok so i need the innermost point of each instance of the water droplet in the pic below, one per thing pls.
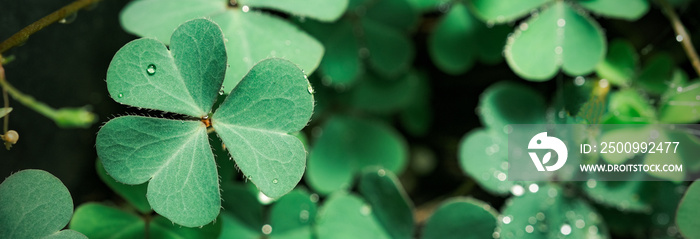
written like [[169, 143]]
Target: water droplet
[[151, 70], [264, 199], [506, 219], [524, 27], [565, 229], [500, 19], [245, 8], [489, 24], [662, 218], [381, 173], [504, 165], [221, 91], [120, 95], [365, 210], [517, 190], [275, 181], [496, 235], [591, 183], [580, 223], [508, 129], [534, 188], [540, 216], [593, 230], [680, 89], [558, 50], [579, 80], [529, 229], [561, 22], [679, 38], [249, 177], [552, 192], [502, 177], [603, 83], [69, 19], [266, 229], [532, 220], [313, 198], [304, 216], [561, 114], [310, 90]]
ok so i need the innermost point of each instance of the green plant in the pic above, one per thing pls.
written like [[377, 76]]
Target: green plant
[[272, 100], [224, 119], [35, 204]]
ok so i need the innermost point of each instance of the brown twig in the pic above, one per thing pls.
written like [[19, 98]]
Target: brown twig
[[22, 36], [683, 33]]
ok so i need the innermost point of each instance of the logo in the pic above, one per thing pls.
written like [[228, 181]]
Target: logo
[[542, 141]]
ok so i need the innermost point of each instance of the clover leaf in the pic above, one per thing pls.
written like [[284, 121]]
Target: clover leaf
[[254, 122], [461, 218], [35, 204], [251, 35]]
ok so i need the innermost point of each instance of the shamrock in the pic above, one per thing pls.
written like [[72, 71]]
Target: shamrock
[[254, 122]]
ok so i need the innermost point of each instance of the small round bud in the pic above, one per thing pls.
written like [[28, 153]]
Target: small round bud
[[11, 137]]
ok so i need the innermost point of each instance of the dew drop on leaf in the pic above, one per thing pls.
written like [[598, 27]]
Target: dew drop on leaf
[[529, 229], [381, 173], [275, 181], [120, 95], [365, 210], [266, 229], [313, 198], [245, 9], [310, 90], [565, 229], [304, 216], [151, 70]]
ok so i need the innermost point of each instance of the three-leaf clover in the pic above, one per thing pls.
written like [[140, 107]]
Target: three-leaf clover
[[254, 122]]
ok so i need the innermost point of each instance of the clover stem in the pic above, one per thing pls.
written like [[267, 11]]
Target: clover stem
[[24, 99], [22, 36], [682, 33]]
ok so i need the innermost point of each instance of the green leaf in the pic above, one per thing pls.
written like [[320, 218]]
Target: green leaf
[[629, 107], [463, 218], [99, 221], [341, 64], [35, 204], [346, 216], [254, 122], [348, 145], [291, 216], [681, 106], [510, 103], [184, 79], [549, 213], [5, 111], [391, 205], [390, 52], [483, 157], [134, 194], [250, 36], [657, 74], [688, 210], [501, 11], [624, 9], [620, 63], [452, 46], [323, 10], [559, 37], [242, 215], [174, 155]]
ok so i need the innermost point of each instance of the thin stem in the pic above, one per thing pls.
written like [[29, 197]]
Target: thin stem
[[6, 120], [683, 33], [22, 36]]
